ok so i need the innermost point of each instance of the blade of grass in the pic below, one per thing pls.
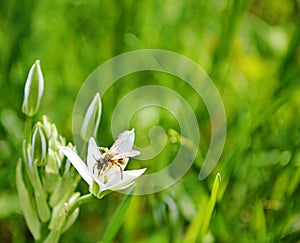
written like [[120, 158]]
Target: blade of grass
[[260, 222], [294, 182], [117, 220], [199, 226], [210, 206], [132, 223]]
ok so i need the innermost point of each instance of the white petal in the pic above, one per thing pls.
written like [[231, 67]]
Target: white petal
[[125, 187], [79, 165], [115, 183], [124, 142], [92, 155]]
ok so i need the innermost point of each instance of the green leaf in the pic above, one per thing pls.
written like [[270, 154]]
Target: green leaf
[[27, 204]]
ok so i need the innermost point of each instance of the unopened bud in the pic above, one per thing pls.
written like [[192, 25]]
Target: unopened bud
[[53, 161], [92, 119], [47, 126], [27, 204], [33, 91], [39, 145]]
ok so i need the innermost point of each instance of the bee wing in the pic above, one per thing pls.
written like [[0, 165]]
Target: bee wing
[[128, 154], [124, 142]]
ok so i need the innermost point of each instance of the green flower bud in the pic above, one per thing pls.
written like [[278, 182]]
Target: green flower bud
[[53, 162], [33, 91], [53, 236], [28, 157], [58, 216], [39, 145], [71, 218], [40, 197], [92, 119], [47, 126], [54, 132], [27, 204]]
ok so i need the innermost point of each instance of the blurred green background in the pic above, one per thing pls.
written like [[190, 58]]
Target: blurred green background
[[251, 51]]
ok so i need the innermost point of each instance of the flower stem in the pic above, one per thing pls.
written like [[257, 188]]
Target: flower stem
[[28, 127], [81, 200]]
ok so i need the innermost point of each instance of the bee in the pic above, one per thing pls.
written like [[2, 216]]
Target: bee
[[117, 155]]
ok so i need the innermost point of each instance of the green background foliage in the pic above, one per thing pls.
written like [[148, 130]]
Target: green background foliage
[[251, 51]]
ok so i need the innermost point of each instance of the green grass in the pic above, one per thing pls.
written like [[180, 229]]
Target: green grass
[[249, 48]]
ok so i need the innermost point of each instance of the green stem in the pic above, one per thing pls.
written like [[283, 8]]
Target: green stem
[[81, 200], [28, 127]]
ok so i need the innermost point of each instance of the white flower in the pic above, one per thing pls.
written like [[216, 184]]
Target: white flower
[[107, 174]]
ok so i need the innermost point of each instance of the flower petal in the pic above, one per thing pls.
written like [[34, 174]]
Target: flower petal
[[116, 183], [126, 186], [92, 155], [79, 165]]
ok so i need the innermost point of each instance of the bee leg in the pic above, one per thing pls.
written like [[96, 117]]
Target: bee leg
[[121, 171], [94, 168], [121, 161]]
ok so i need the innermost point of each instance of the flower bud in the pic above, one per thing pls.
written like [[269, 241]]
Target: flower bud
[[39, 145], [92, 119], [33, 91], [47, 126], [71, 219], [40, 197], [52, 166], [27, 204]]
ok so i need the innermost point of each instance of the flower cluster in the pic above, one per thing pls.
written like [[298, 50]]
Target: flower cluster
[[52, 181], [46, 181]]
